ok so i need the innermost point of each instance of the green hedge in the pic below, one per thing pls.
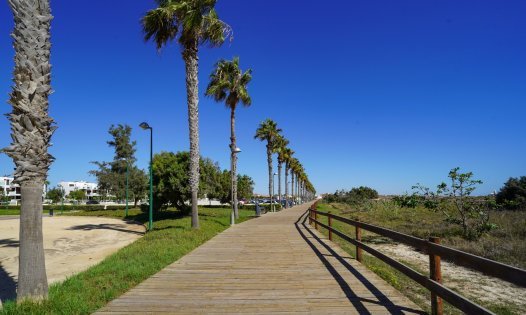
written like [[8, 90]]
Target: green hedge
[[252, 207], [71, 207], [121, 207]]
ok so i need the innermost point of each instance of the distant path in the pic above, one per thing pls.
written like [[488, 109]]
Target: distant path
[[273, 264]]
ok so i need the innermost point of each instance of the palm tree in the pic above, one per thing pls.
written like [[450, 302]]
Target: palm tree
[[268, 131], [31, 131], [279, 148], [287, 156], [298, 169], [193, 23], [292, 166], [229, 83]]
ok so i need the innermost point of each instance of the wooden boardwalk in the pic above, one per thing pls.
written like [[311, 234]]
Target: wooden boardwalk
[[273, 264]]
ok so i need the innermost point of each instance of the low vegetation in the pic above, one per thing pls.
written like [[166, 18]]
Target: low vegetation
[[171, 238], [505, 244]]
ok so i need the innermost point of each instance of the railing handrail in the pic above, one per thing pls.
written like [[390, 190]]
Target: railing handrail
[[487, 266], [435, 251]]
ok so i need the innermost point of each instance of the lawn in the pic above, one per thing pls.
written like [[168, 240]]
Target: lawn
[[505, 244], [171, 238]]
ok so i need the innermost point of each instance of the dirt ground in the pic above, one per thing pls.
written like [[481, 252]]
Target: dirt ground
[[471, 283], [72, 244]]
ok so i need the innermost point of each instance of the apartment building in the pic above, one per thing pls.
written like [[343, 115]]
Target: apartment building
[[12, 191], [90, 189]]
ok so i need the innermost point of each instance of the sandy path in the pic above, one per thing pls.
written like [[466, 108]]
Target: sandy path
[[471, 283], [71, 244]]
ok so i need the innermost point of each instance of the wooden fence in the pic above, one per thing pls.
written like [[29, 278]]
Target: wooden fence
[[435, 251]]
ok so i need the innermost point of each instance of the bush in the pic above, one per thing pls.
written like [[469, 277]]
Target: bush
[[354, 196], [58, 207], [513, 194], [408, 201]]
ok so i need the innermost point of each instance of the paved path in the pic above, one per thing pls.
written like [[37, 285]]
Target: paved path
[[273, 264]]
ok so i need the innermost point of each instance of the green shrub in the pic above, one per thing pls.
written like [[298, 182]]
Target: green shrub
[[513, 194]]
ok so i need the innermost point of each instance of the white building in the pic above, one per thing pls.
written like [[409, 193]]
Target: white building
[[90, 189], [12, 191]]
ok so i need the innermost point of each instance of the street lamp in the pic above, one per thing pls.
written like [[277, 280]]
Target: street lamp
[[145, 126], [233, 152], [126, 211], [272, 203]]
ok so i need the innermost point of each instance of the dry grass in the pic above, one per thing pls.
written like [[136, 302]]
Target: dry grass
[[505, 244]]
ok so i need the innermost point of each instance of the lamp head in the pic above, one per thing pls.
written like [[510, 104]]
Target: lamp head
[[236, 150], [144, 125]]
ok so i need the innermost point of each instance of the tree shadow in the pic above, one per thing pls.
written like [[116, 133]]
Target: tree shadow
[[9, 242], [354, 298], [7, 286], [104, 226]]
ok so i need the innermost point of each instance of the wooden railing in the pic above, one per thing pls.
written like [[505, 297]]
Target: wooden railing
[[435, 251]]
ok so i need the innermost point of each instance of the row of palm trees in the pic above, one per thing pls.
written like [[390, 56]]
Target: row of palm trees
[[301, 188], [194, 23]]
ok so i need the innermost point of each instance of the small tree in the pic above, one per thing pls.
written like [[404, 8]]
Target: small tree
[[455, 202], [55, 194], [77, 195], [245, 186]]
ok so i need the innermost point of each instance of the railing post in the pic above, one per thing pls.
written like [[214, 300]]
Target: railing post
[[330, 226], [310, 216], [359, 239], [316, 220], [435, 274]]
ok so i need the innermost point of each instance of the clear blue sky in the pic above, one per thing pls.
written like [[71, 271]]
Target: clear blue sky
[[378, 93]]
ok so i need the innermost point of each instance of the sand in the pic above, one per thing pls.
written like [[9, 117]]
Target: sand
[[71, 244], [470, 283]]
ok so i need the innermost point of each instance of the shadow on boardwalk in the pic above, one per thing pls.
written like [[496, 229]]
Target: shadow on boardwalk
[[383, 300], [272, 264]]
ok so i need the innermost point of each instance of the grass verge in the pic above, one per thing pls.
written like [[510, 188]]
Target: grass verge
[[171, 239]]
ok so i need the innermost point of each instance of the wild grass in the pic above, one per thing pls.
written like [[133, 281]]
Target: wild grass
[[171, 238], [505, 244]]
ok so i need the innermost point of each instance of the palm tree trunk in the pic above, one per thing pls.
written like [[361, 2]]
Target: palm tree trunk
[[292, 186], [286, 185], [279, 181], [31, 131], [269, 161], [191, 62], [233, 171], [32, 279]]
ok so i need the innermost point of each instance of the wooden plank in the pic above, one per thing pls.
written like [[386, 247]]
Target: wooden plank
[[273, 264]]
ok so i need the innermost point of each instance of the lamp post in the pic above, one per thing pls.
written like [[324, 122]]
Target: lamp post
[[272, 203], [63, 196], [287, 197], [233, 152], [126, 210], [145, 126]]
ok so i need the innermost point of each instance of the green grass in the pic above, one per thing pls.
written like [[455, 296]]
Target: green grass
[[424, 223], [17, 212], [170, 240]]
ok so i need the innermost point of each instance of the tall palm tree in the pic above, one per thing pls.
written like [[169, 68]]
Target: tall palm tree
[[193, 23], [268, 131], [279, 148], [229, 83], [292, 166], [31, 131], [298, 169], [287, 156]]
